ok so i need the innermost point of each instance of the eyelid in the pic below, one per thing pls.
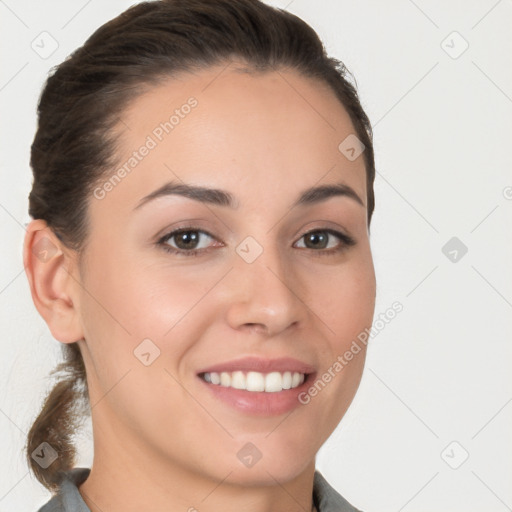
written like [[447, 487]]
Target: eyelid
[[194, 224]]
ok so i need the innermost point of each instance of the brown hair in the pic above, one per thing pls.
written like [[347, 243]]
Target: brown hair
[[74, 146]]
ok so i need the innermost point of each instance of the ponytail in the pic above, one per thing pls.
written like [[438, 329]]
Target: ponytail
[[50, 450]]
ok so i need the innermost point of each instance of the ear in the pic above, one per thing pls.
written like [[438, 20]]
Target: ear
[[51, 271]]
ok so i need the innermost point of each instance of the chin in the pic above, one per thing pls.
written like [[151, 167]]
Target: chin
[[266, 475], [265, 461]]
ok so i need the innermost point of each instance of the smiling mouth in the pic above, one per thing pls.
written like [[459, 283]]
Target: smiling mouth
[[255, 381]]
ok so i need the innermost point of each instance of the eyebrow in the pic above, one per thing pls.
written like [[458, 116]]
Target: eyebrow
[[219, 197]]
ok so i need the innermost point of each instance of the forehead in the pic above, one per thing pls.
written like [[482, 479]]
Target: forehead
[[236, 130]]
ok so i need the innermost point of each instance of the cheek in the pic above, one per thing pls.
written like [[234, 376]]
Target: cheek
[[130, 310], [136, 314], [145, 300], [343, 297], [344, 301]]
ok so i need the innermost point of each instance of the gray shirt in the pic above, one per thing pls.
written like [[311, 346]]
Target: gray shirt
[[69, 499]]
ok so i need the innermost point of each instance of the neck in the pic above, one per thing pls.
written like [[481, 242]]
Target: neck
[[122, 480]]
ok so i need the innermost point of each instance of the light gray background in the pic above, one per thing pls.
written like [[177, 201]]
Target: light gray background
[[441, 370]]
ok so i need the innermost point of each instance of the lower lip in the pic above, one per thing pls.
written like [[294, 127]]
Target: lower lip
[[258, 402]]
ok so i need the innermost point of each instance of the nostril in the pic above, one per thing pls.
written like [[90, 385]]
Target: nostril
[[256, 327]]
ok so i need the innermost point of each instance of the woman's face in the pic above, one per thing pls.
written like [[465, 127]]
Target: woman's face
[[258, 286]]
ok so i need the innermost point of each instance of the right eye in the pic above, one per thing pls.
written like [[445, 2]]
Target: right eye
[[186, 242]]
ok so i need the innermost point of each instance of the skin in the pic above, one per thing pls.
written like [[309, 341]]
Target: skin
[[161, 442]]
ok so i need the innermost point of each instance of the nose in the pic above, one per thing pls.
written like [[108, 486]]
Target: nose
[[264, 296]]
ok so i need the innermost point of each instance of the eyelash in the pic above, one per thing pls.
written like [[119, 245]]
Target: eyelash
[[346, 241]]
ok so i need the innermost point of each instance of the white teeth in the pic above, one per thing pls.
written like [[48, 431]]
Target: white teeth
[[273, 382], [238, 380], [255, 381], [225, 379]]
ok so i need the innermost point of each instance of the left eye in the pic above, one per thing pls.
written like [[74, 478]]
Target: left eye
[[321, 239]]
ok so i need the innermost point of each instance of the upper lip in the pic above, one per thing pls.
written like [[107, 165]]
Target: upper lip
[[262, 365]]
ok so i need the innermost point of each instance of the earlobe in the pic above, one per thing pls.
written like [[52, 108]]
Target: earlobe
[[49, 266]]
